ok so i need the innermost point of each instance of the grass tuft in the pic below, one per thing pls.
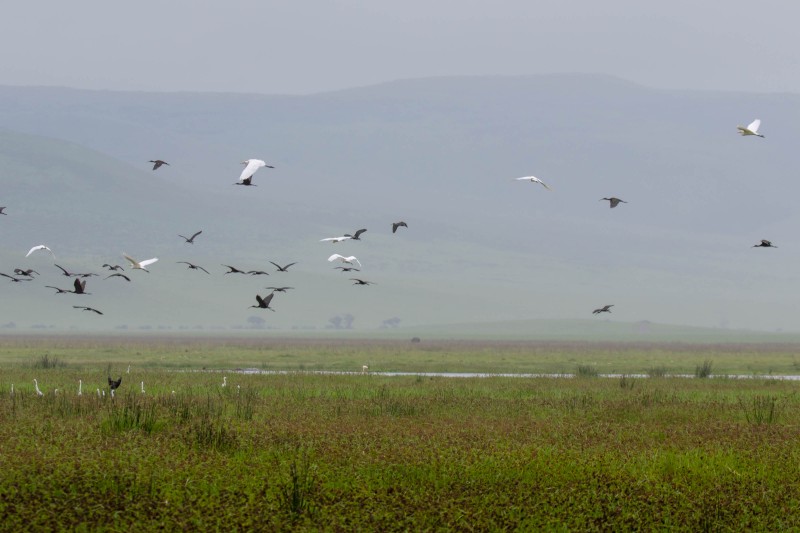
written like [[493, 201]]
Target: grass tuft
[[586, 371], [703, 371], [45, 362]]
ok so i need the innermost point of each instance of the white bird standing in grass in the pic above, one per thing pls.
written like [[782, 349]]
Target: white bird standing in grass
[[36, 385], [139, 264], [751, 129], [246, 178], [40, 247], [349, 260], [80, 387], [224, 381], [533, 179]]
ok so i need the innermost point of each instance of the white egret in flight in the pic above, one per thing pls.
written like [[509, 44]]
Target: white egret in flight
[[40, 247], [533, 179], [246, 178], [751, 129], [349, 260], [139, 264]]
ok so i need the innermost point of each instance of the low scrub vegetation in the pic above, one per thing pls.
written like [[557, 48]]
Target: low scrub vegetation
[[373, 453]]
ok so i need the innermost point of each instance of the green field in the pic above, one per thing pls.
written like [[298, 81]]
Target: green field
[[370, 452]]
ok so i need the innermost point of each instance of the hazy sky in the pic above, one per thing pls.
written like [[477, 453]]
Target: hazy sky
[[311, 46]]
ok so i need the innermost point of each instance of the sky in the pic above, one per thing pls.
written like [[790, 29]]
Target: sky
[[314, 46]]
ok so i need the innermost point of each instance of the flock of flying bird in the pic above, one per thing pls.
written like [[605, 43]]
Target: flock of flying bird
[[263, 302], [348, 263]]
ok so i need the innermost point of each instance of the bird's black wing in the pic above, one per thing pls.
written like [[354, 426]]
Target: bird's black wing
[[64, 270], [196, 234], [359, 232]]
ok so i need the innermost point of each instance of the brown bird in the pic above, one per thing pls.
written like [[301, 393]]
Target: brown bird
[[87, 309], [279, 289], [613, 201], [13, 279], [190, 240], [361, 282], [58, 291], [1, 211], [263, 303], [157, 163], [114, 267], [284, 268], [347, 269], [604, 309], [357, 235], [80, 287], [28, 272], [396, 225], [234, 270], [195, 267], [118, 275], [764, 244], [114, 385], [257, 273]]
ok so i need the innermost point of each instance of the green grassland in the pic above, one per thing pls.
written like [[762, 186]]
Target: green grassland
[[194, 352], [369, 452]]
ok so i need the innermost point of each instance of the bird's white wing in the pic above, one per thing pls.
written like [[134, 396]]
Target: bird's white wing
[[334, 257], [130, 259], [354, 258], [753, 126], [40, 247], [250, 169], [524, 178], [543, 183], [334, 239], [148, 261]]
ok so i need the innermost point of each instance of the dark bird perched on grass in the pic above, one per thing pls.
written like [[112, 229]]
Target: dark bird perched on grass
[[190, 240], [14, 279], [87, 309], [361, 282], [114, 385], [396, 225], [348, 269], [284, 268], [194, 267], [279, 289], [613, 201], [263, 303], [114, 267], [234, 270], [118, 275], [357, 235], [157, 163], [604, 309], [764, 244], [257, 273], [28, 272]]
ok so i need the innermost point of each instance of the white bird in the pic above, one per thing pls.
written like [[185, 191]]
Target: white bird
[[80, 387], [364, 369], [139, 264], [335, 239], [224, 381], [349, 260], [142, 387], [36, 384], [751, 129], [40, 247], [533, 179], [247, 174]]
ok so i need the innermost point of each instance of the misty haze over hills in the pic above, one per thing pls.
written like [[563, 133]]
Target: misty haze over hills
[[440, 153]]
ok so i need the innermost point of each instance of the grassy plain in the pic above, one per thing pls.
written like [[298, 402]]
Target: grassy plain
[[368, 452]]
